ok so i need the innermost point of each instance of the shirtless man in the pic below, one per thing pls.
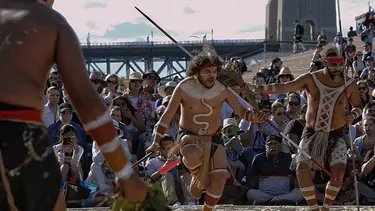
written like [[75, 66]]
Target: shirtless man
[[32, 38], [323, 137], [201, 97]]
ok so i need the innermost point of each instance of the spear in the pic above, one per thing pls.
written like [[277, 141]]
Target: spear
[[347, 107], [252, 104]]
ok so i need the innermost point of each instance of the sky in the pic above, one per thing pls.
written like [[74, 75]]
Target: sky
[[117, 20]]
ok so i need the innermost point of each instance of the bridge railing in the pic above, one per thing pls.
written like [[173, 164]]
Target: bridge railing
[[161, 43]]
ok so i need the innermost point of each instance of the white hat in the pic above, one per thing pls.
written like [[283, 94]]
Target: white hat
[[161, 89], [229, 122]]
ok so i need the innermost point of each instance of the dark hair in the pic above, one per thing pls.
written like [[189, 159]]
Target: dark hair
[[275, 60], [66, 129], [128, 104], [259, 75], [208, 55]]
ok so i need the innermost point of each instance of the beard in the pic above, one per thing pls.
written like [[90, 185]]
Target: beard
[[335, 78], [204, 84]]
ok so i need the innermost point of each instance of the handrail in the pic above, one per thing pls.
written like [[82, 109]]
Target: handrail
[[237, 41]]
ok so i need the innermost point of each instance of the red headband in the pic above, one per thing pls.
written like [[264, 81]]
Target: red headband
[[335, 59], [208, 65]]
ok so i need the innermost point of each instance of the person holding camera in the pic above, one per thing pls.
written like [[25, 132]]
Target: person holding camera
[[69, 154]]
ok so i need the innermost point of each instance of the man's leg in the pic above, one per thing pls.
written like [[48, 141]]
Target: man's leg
[[217, 177], [295, 195], [306, 185], [168, 185], [185, 186], [338, 164], [192, 159], [258, 196]]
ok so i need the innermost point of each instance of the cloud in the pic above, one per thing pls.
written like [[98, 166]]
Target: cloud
[[133, 30], [188, 10], [243, 19], [89, 5], [253, 28]]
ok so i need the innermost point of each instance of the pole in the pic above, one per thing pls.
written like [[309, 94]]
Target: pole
[[239, 97], [347, 108]]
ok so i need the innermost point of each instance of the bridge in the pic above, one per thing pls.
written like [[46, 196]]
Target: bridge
[[166, 58]]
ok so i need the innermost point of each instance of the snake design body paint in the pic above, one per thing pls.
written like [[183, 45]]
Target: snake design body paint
[[203, 131]]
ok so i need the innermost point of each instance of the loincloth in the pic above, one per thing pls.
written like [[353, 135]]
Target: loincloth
[[32, 168], [327, 148], [207, 144]]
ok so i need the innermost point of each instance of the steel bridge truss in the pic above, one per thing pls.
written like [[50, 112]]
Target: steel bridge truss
[[169, 67]]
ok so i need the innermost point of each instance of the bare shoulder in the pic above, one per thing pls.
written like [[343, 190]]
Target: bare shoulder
[[186, 84]]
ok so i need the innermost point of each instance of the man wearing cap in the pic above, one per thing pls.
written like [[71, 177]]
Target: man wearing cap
[[271, 181], [370, 67], [65, 117], [201, 97], [324, 136], [97, 81], [151, 79], [232, 142]]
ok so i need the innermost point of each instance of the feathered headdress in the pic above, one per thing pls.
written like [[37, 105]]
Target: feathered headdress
[[207, 56]]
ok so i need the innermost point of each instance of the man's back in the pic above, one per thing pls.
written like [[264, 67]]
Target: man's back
[[28, 36]]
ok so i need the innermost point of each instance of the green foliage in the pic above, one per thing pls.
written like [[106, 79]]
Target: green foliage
[[155, 201]]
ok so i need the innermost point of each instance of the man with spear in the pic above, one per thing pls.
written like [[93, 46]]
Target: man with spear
[[324, 137]]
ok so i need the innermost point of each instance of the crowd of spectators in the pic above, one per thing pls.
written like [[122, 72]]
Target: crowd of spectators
[[259, 160]]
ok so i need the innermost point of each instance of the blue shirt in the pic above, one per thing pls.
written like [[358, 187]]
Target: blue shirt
[[273, 176]]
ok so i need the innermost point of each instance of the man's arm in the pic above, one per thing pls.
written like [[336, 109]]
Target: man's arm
[[89, 106], [164, 122], [292, 86], [233, 102]]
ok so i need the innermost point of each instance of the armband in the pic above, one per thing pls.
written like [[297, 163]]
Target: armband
[[356, 112], [102, 120], [117, 158], [160, 129]]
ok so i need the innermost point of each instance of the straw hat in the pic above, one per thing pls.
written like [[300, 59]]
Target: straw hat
[[98, 76], [134, 76], [284, 71], [162, 89], [229, 122]]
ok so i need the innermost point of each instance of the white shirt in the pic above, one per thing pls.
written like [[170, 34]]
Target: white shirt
[[48, 116], [97, 156]]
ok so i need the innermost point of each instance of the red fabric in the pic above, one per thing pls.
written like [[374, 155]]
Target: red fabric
[[168, 166], [335, 59], [23, 115]]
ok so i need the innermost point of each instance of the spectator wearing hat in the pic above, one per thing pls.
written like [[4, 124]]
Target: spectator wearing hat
[[65, 117], [284, 76], [151, 79], [139, 99], [370, 67], [272, 70], [233, 145], [271, 181], [97, 81], [164, 91]]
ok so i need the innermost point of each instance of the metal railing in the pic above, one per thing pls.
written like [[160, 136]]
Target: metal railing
[[160, 43]]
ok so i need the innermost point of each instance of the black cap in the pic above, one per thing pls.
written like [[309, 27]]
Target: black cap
[[65, 106], [272, 136], [149, 72], [266, 104]]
